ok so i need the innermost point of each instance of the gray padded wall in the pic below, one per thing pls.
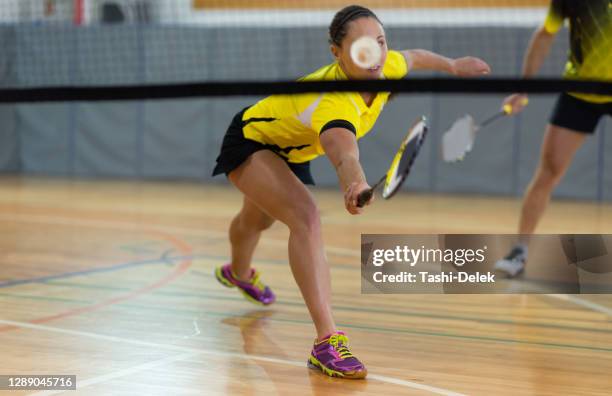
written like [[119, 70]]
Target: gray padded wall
[[9, 139], [173, 139], [47, 138]]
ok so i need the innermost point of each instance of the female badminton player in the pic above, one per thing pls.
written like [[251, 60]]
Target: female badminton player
[[266, 153]]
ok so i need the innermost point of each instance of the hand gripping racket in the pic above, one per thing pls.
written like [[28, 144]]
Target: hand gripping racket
[[401, 165]]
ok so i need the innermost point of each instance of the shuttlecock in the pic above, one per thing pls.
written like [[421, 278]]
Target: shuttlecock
[[366, 52]]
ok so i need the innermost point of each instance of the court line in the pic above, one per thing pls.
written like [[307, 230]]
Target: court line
[[59, 220], [122, 298], [164, 259], [177, 348], [414, 385], [183, 312], [342, 308], [582, 302], [292, 304], [125, 372], [132, 264], [49, 299], [110, 268], [157, 261], [178, 271], [408, 331], [126, 225]]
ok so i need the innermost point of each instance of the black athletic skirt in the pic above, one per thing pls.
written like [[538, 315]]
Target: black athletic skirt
[[577, 114], [236, 149]]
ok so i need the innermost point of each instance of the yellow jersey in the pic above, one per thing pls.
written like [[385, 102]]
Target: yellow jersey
[[291, 124], [590, 55]]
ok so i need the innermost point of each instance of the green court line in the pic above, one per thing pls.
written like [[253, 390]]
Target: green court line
[[210, 276], [387, 330], [269, 261], [88, 286], [46, 298], [175, 310], [352, 309]]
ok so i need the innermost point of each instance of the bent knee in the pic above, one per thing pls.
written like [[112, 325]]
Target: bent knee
[[258, 221], [265, 223], [305, 217], [551, 169]]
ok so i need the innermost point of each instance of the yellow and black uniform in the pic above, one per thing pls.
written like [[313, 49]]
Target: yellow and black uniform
[[590, 57], [290, 125]]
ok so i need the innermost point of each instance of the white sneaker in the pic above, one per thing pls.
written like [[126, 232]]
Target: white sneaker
[[513, 264]]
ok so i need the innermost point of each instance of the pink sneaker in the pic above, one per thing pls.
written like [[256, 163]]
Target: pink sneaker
[[253, 290], [333, 358]]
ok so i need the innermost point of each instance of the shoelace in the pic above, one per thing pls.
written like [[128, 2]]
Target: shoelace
[[253, 281], [256, 282], [340, 343]]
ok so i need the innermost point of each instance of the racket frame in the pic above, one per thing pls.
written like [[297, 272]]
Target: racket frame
[[365, 196]]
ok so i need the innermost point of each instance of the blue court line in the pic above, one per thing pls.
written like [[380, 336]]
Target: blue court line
[[164, 259], [92, 271]]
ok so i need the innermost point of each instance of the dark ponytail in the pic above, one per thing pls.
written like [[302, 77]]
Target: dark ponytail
[[339, 26]]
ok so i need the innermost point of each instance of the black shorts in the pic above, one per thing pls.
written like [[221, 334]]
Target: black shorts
[[236, 149], [578, 115]]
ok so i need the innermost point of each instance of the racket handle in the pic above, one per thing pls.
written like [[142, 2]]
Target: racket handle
[[364, 197], [508, 110]]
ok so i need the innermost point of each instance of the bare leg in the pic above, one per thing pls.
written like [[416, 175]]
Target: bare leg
[[267, 181], [558, 149], [244, 233]]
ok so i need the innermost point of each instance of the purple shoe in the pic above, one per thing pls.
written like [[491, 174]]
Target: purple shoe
[[253, 290], [333, 358]]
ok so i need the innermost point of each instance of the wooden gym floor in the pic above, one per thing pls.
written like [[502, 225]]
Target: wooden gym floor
[[112, 281]]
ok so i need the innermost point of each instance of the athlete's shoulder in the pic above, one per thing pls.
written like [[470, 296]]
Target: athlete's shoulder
[[395, 66], [557, 12], [327, 72]]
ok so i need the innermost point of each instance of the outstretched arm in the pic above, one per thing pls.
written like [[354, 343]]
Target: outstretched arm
[[341, 148], [537, 52], [419, 59]]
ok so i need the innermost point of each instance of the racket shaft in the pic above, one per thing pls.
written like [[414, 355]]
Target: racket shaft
[[491, 119]]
